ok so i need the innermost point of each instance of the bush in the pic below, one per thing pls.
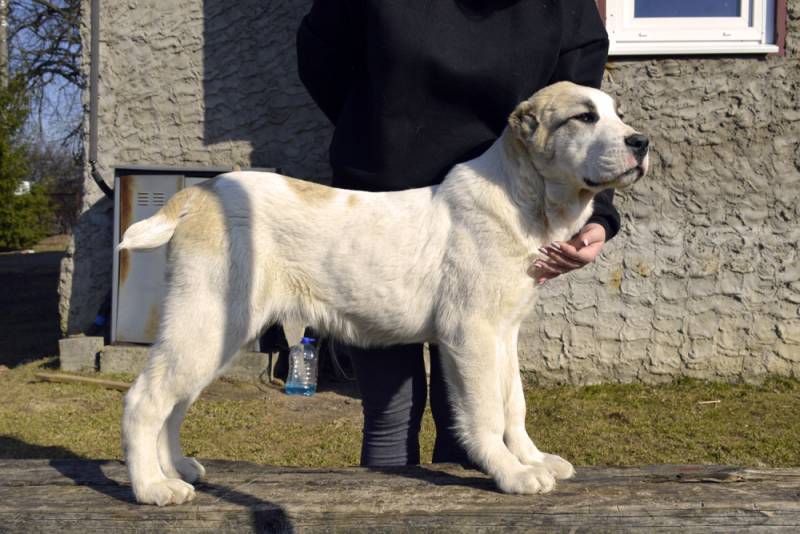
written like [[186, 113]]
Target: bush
[[25, 218]]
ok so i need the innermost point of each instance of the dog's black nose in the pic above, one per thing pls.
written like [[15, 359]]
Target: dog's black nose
[[638, 144]]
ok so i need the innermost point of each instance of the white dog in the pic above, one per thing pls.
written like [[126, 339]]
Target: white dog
[[446, 264]]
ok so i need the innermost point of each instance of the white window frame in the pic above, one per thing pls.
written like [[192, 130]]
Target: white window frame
[[746, 34]]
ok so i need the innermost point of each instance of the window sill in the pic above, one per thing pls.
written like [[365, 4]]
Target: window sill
[[689, 48]]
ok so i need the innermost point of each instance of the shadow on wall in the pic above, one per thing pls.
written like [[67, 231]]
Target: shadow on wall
[[90, 260], [29, 322], [253, 94], [251, 89]]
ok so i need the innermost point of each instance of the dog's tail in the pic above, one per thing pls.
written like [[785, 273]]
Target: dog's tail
[[156, 230]]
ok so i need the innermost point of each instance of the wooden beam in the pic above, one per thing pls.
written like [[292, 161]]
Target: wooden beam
[[80, 496], [78, 379]]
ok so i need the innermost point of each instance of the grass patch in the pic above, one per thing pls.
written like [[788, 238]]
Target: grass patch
[[595, 425], [675, 423]]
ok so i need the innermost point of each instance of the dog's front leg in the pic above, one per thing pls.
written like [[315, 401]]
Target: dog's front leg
[[516, 436], [473, 365]]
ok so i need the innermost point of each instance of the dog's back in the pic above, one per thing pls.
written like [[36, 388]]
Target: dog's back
[[362, 266]]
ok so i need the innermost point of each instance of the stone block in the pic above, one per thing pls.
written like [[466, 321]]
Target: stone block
[[669, 339], [700, 354], [789, 331], [585, 317], [608, 328], [123, 359], [131, 360], [665, 360], [702, 287], [703, 326], [631, 333], [554, 328], [672, 289], [778, 366], [609, 352], [788, 352], [764, 330], [581, 336], [248, 367], [732, 334], [79, 353]]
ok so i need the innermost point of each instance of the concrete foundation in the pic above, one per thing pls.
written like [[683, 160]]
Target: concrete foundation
[[79, 353], [131, 359]]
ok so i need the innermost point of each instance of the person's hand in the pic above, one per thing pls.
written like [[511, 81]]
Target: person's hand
[[566, 256]]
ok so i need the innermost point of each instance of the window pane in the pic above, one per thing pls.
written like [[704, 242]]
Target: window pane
[[687, 8]]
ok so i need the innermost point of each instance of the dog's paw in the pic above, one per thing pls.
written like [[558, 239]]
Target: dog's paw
[[190, 469], [558, 467], [164, 492], [528, 480]]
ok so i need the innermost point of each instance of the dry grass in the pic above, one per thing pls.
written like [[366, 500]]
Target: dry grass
[[597, 425]]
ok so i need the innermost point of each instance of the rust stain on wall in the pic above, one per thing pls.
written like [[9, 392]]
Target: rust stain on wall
[[126, 196], [125, 217], [124, 266]]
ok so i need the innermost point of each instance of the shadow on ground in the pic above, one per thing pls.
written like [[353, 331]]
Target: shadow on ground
[[94, 474], [436, 477], [13, 448]]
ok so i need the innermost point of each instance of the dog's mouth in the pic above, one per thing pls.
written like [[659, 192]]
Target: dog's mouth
[[638, 170]]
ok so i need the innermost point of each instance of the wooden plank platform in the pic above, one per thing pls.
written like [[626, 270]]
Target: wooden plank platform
[[83, 496]]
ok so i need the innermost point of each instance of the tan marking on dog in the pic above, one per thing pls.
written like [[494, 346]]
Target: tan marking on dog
[[203, 226], [311, 192], [352, 200]]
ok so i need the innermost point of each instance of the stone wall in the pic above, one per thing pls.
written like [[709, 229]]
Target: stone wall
[[703, 280]]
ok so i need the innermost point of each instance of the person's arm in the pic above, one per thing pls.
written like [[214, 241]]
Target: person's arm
[[328, 53], [584, 45]]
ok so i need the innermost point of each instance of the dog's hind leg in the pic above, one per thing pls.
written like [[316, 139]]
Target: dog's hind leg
[[193, 346], [516, 436], [473, 367], [148, 404]]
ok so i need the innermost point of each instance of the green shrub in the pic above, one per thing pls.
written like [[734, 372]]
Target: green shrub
[[25, 218]]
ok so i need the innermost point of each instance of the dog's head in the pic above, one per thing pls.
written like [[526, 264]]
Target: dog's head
[[575, 138]]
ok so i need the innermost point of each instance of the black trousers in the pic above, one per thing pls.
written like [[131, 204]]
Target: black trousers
[[393, 392]]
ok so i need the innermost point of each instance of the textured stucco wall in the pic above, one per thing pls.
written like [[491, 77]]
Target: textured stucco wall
[[703, 280], [189, 83]]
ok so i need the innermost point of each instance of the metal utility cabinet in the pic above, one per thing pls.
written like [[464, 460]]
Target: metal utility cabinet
[[138, 276]]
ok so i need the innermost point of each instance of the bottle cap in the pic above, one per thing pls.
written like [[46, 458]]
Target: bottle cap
[[308, 340]]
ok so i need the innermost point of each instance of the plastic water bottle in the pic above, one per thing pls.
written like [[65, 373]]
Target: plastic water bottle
[[302, 379]]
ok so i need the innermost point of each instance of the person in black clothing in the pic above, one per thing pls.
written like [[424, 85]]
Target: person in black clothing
[[413, 88]]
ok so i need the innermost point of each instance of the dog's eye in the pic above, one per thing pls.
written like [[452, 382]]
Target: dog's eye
[[588, 117]]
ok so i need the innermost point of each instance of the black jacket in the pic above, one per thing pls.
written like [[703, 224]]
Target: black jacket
[[416, 86]]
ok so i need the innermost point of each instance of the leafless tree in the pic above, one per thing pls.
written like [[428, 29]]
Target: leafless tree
[[44, 47]]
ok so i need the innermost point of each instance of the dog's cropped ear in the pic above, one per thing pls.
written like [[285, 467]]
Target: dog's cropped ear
[[523, 121]]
